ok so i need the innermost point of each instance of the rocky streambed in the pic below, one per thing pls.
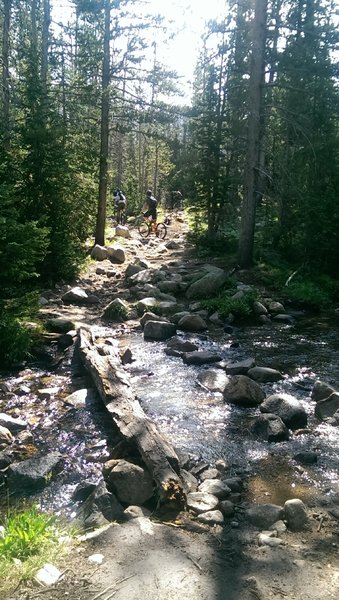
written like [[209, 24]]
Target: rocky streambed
[[251, 412]]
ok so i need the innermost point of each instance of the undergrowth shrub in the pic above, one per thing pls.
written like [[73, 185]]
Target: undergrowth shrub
[[224, 304], [25, 533]]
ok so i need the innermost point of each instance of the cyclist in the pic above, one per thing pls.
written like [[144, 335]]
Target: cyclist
[[151, 204], [119, 205]]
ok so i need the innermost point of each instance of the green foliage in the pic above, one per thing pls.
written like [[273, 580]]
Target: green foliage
[[241, 308], [25, 533]]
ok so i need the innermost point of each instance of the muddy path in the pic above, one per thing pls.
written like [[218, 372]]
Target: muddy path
[[145, 558]]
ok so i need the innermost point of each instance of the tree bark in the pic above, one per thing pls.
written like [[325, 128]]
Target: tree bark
[[104, 132], [5, 74], [247, 227], [113, 386]]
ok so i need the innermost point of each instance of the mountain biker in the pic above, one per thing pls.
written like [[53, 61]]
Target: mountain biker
[[120, 203], [151, 204]]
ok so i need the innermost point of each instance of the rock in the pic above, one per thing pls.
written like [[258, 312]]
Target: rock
[[276, 307], [334, 420], [133, 269], [59, 325], [278, 527], [100, 508], [177, 343], [295, 514], [117, 310], [263, 516], [170, 287], [234, 483], [264, 374], [327, 407], [259, 308], [131, 484], [211, 517], [135, 512], [283, 318], [5, 459], [76, 295], [200, 357], [213, 380], [227, 508], [146, 305], [200, 502], [167, 308], [144, 276], [210, 474], [243, 391], [47, 393], [173, 245], [159, 330], [100, 271], [11, 423], [271, 428], [240, 368], [116, 253], [65, 341], [83, 491], [306, 458], [288, 408], [48, 575], [178, 316], [5, 436], [268, 540], [99, 252], [122, 231], [149, 316], [34, 473], [216, 487], [216, 319], [321, 390], [82, 398], [126, 356], [193, 323], [208, 285]]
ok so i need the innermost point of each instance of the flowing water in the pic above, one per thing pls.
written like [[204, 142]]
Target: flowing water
[[197, 422]]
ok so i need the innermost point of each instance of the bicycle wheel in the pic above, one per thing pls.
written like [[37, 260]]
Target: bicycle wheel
[[144, 229], [161, 231]]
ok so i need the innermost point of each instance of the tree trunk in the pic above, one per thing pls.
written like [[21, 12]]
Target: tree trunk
[[45, 47], [114, 388], [5, 74], [246, 240], [104, 133]]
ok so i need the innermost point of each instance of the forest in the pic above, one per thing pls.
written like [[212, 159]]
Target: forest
[[88, 107]]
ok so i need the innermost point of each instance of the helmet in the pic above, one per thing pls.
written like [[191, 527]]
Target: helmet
[[149, 193]]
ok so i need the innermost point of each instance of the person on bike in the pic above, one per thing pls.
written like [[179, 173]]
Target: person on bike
[[151, 204], [119, 204]]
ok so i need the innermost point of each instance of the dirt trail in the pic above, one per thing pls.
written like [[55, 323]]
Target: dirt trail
[[147, 560]]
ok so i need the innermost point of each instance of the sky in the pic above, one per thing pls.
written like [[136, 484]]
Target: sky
[[188, 18]]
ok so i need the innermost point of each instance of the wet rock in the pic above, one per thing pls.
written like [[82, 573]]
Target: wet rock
[[213, 380], [240, 368], [60, 325], [131, 484], [193, 323], [216, 487], [34, 473], [284, 318], [288, 408], [76, 295], [99, 252], [334, 420], [211, 517], [117, 310], [11, 423], [327, 407], [243, 391], [126, 356], [264, 515], [101, 507], [116, 253], [227, 508], [271, 428], [208, 285], [177, 343], [264, 374], [295, 514], [306, 458], [201, 502], [321, 390], [200, 357], [149, 316], [159, 330]]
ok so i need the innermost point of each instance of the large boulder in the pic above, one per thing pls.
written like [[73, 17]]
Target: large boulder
[[264, 374], [192, 323], [59, 325], [100, 508], [159, 330], [240, 368], [117, 310], [149, 316], [12, 423], [208, 285], [288, 408], [295, 514], [216, 487], [243, 391], [271, 428], [116, 253], [263, 516], [201, 502], [130, 483], [321, 390], [34, 473], [75, 296], [99, 252], [200, 357], [122, 231], [176, 343]]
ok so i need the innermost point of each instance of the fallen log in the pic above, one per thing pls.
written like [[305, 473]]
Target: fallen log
[[115, 390]]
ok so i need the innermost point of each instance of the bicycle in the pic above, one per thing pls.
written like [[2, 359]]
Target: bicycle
[[121, 216], [146, 228]]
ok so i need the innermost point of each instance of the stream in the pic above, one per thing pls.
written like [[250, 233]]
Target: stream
[[198, 423]]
